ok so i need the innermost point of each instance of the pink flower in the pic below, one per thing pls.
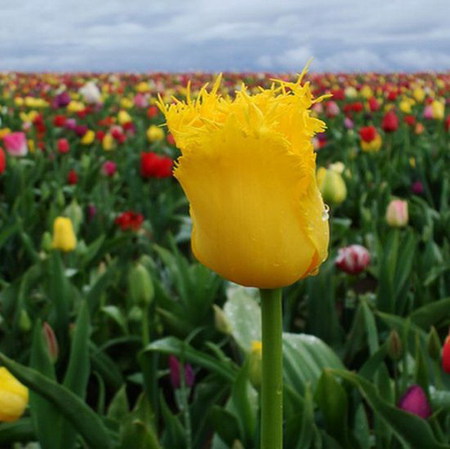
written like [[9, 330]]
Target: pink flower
[[332, 109], [16, 144], [353, 259], [109, 168], [140, 101], [416, 402]]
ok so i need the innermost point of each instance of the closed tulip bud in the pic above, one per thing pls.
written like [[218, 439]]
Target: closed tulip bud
[[140, 285], [24, 321], [415, 401], [353, 259], [221, 322], [394, 346], [88, 138], [255, 362], [397, 213], [434, 344], [50, 341], [176, 368], [135, 314], [438, 110], [446, 355], [63, 235], [13, 397], [108, 142], [46, 242], [258, 215], [331, 185], [123, 117], [75, 213]]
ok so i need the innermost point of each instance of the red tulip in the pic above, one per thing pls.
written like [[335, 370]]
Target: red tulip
[[129, 220], [72, 177], [353, 259], [155, 166], [390, 122], [2, 160], [63, 146], [446, 355]]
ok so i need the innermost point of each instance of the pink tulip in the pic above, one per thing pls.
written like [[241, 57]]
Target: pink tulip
[[109, 168], [416, 402], [16, 144]]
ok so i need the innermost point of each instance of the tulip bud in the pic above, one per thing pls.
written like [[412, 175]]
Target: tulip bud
[[255, 361], [46, 241], [175, 368], [353, 259], [446, 355], [24, 321], [135, 314], [75, 213], [331, 185], [434, 344], [63, 235], [51, 342], [221, 322], [390, 122], [415, 401], [394, 346], [397, 213], [140, 285], [13, 397], [155, 133]]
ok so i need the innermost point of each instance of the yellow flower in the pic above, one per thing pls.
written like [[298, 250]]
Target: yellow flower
[[13, 397], [419, 94], [438, 109], [126, 103], [4, 132], [332, 185], [88, 138], [155, 133], [75, 106], [248, 170], [366, 92], [108, 142], [63, 235], [143, 87], [124, 117]]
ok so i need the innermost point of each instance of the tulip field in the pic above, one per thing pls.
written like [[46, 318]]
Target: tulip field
[[123, 326]]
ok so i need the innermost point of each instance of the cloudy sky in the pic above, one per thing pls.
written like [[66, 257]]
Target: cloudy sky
[[224, 35]]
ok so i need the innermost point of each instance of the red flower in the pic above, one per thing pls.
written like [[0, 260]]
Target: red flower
[[129, 221], [390, 122], [155, 166], [59, 121], [2, 161], [152, 111], [63, 146], [368, 133], [446, 355], [447, 123], [72, 177], [409, 120], [374, 104], [99, 135], [170, 139], [353, 259]]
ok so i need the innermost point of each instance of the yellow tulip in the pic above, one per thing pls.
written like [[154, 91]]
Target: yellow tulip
[[13, 397], [75, 106], [155, 133], [123, 117], [63, 235], [88, 138], [108, 142], [248, 170], [438, 110]]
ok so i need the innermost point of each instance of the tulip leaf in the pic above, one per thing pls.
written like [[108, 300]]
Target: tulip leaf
[[434, 314], [82, 417], [225, 424], [17, 431], [244, 316], [172, 345], [411, 430]]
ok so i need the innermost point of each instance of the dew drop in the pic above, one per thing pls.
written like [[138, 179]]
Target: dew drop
[[325, 213]]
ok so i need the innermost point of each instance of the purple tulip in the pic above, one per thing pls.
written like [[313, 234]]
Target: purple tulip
[[175, 368], [61, 100]]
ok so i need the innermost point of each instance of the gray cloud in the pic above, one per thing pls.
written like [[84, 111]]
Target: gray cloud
[[213, 35]]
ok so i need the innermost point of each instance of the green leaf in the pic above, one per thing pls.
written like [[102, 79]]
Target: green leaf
[[172, 345], [413, 431], [433, 314], [225, 424], [119, 408], [332, 400], [244, 316], [15, 432], [88, 424]]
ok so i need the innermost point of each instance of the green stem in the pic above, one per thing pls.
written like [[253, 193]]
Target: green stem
[[272, 370]]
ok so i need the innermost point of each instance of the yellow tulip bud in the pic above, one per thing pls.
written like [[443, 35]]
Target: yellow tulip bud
[[155, 133], [248, 170], [13, 397], [63, 235], [331, 185], [397, 213], [255, 361]]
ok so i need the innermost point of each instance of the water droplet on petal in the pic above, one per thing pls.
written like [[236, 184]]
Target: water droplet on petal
[[325, 213]]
